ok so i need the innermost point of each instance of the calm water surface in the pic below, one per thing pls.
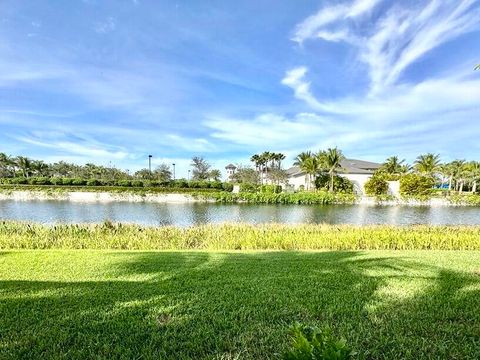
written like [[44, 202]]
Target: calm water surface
[[195, 214]]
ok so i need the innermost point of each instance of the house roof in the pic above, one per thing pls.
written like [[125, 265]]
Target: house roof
[[349, 166], [230, 166]]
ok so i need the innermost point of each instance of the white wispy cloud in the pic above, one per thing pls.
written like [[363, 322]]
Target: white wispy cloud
[[389, 44], [314, 25]]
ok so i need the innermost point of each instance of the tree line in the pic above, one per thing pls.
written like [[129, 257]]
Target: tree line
[[24, 167]]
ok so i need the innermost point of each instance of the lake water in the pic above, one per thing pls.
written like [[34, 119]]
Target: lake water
[[201, 213]]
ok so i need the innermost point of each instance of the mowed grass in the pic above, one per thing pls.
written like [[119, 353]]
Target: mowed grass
[[104, 304]]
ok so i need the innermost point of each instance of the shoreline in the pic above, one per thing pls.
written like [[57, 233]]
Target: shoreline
[[178, 198], [102, 197]]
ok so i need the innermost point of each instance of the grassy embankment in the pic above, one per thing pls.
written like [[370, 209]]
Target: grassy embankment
[[14, 235]]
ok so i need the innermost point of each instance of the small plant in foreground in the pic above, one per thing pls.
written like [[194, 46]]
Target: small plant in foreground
[[310, 343]]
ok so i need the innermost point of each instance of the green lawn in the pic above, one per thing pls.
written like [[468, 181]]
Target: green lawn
[[83, 304]]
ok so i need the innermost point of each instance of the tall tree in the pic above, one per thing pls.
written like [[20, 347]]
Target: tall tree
[[301, 161], [332, 159], [201, 168], [24, 164]]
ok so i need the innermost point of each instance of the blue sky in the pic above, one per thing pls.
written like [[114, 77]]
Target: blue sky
[[113, 81]]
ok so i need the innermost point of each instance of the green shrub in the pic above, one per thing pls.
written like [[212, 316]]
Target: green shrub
[[340, 183], [67, 181], [93, 182], [56, 181], [271, 189], [310, 343], [180, 184], [248, 188], [137, 183], [416, 185], [227, 186], [18, 180], [376, 186], [79, 182], [39, 181], [124, 183]]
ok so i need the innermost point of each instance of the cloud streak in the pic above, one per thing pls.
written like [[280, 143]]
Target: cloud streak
[[396, 39]]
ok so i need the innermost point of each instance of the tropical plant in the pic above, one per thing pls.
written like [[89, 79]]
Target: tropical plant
[[309, 343], [305, 161], [24, 164], [427, 164], [340, 183], [376, 186], [215, 175], [332, 159], [394, 166], [416, 185]]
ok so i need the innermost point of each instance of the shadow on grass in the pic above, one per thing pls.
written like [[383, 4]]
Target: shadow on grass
[[228, 305]]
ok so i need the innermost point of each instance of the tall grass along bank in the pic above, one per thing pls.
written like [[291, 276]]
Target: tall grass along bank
[[15, 235]]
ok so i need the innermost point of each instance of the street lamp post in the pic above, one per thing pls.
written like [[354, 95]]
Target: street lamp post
[[188, 175], [173, 171], [150, 163]]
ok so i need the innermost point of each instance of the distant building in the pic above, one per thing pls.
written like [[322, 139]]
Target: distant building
[[231, 169], [357, 171]]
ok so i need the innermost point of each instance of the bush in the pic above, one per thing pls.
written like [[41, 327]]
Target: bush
[[137, 183], [39, 181], [18, 180], [180, 184], [271, 189], [227, 187], [340, 183], [315, 344], [124, 183], [216, 185], [376, 186], [248, 187], [94, 182], [416, 185], [56, 181], [67, 181], [79, 182]]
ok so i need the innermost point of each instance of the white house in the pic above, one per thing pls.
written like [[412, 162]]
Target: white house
[[357, 171], [231, 169]]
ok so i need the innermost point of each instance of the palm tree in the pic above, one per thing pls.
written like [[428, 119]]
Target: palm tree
[[215, 174], [427, 164], [332, 159], [311, 166], [256, 160], [5, 163], [24, 164], [454, 171], [393, 165], [301, 161], [40, 168]]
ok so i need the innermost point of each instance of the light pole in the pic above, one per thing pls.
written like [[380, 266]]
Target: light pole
[[173, 171], [150, 163], [188, 178]]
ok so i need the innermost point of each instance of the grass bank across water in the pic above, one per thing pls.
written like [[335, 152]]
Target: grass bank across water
[[236, 305], [16, 235]]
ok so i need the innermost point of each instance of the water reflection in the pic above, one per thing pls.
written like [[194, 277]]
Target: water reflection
[[196, 214]]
